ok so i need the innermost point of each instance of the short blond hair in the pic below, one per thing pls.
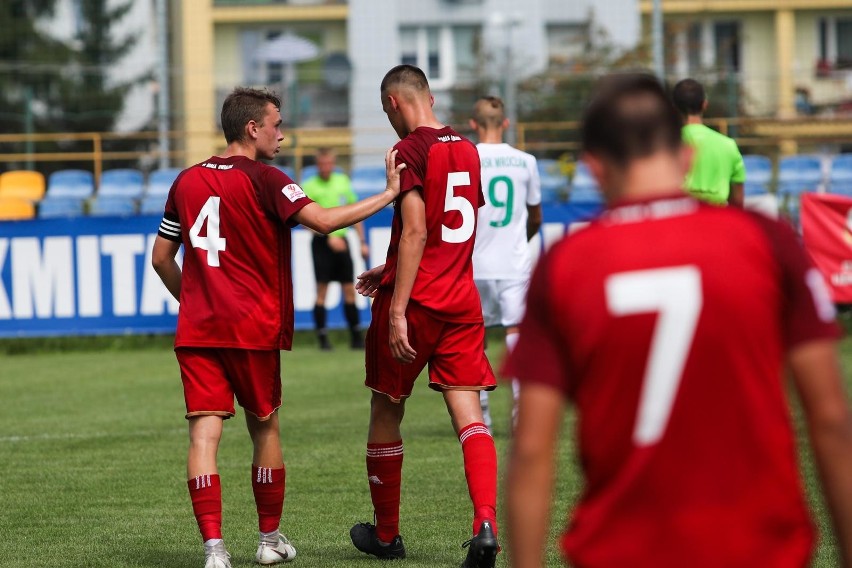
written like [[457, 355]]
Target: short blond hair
[[489, 112]]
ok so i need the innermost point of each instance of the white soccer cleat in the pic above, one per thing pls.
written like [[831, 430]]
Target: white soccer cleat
[[269, 553], [217, 559]]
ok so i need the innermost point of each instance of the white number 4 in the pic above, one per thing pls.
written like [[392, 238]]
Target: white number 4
[[212, 242], [675, 294]]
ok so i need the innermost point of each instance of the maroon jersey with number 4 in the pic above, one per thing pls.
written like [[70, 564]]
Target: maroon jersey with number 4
[[233, 216], [444, 167], [667, 323]]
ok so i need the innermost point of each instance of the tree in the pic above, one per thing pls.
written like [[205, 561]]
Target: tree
[[29, 60], [64, 87]]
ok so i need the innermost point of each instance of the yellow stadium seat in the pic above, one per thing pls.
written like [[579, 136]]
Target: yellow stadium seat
[[12, 208], [22, 185]]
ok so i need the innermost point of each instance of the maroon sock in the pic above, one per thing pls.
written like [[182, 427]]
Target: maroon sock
[[206, 494], [384, 472], [480, 469], [268, 487]]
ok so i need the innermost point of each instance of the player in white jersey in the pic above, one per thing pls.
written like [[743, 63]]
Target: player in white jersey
[[508, 220]]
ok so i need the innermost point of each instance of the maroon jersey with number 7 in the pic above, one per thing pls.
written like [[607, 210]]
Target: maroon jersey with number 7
[[233, 216], [667, 324]]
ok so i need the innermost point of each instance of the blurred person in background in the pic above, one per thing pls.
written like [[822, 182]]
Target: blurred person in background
[[233, 214], [331, 256], [717, 174], [510, 217], [677, 375]]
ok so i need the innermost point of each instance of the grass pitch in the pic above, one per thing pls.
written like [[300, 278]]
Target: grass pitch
[[92, 458]]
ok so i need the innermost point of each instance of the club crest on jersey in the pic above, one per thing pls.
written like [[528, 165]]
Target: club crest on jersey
[[292, 192]]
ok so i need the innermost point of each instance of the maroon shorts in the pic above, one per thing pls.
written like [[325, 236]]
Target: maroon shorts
[[455, 353], [213, 376]]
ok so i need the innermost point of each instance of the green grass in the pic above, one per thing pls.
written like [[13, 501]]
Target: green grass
[[92, 452]]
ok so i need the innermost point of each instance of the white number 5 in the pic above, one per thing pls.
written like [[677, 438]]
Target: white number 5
[[212, 242], [453, 202], [675, 294]]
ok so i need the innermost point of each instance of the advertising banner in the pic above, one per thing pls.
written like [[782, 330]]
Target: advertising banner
[[826, 228], [93, 275]]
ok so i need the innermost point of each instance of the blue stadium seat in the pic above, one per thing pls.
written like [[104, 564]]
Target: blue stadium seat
[[841, 175], [758, 174], [122, 182], [71, 183], [308, 172], [152, 204], [53, 207], [104, 205], [291, 173], [160, 181], [554, 184], [584, 187], [797, 174], [368, 180]]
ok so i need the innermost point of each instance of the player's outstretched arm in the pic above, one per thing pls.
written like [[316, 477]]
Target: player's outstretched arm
[[531, 473], [325, 221], [163, 260], [818, 379]]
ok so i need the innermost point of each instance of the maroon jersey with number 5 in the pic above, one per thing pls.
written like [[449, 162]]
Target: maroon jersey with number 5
[[233, 216], [444, 167], [667, 324]]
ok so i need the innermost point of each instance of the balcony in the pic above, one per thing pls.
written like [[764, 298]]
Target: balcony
[[254, 11]]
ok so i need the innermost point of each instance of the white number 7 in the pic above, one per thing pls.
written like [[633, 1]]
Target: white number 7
[[675, 294]]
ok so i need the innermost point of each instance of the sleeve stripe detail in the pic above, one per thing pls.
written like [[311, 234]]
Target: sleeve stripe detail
[[170, 230], [170, 222]]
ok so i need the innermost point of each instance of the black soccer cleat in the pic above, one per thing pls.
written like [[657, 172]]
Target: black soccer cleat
[[481, 549], [364, 538]]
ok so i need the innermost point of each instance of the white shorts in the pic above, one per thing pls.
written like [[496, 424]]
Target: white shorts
[[503, 301]]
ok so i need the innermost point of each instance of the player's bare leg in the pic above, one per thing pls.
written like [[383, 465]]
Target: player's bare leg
[[384, 473], [320, 317], [205, 490], [353, 318], [480, 469], [268, 482]]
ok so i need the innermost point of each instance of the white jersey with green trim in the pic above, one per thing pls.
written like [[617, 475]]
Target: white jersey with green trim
[[510, 183]]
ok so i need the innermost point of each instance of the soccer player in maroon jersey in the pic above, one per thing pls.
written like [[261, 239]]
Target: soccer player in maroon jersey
[[427, 311], [672, 347], [233, 216]]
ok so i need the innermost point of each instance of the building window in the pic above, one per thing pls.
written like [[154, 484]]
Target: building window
[[442, 52], [566, 42], [467, 46], [835, 42], [727, 44]]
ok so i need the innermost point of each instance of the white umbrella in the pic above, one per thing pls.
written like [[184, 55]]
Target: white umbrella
[[287, 48]]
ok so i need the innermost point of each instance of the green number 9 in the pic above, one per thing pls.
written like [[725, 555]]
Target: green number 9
[[496, 202]]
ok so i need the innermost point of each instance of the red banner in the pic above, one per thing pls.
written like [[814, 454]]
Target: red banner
[[827, 230]]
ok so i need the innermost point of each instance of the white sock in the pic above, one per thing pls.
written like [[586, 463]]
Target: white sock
[[270, 537], [214, 543], [511, 341]]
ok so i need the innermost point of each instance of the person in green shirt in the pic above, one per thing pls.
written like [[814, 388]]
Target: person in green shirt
[[332, 260], [717, 174]]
